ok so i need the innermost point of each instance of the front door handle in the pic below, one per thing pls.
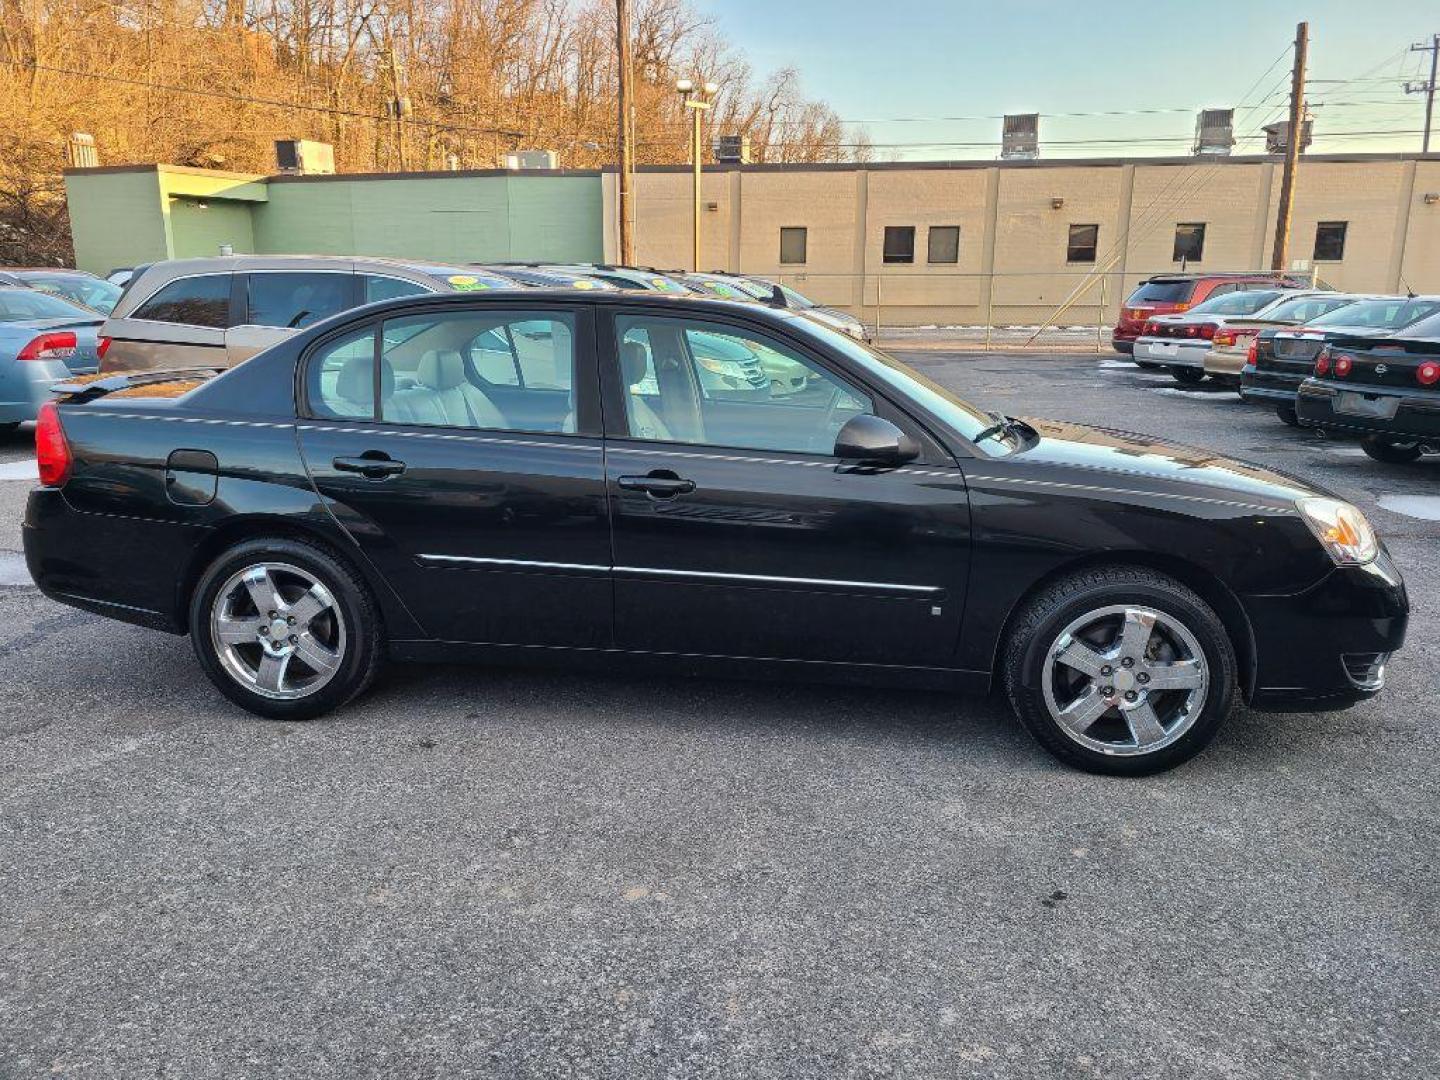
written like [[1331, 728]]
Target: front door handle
[[373, 465], [660, 484]]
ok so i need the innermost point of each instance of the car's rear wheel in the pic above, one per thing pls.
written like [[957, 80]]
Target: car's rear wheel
[[1288, 414], [285, 628], [1188, 376], [1148, 365], [1120, 670], [1391, 451], [9, 426]]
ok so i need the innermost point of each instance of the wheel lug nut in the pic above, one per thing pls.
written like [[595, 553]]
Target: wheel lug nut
[[272, 615], [1107, 670], [1127, 662], [1107, 691], [294, 640], [264, 629], [1142, 678], [290, 619], [1130, 695]]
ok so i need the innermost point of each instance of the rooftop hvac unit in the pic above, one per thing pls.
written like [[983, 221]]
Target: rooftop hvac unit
[[302, 157], [1020, 138], [81, 152], [532, 159], [1277, 136], [732, 150], [1214, 131]]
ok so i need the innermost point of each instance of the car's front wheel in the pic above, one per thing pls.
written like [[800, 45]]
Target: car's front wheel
[[1391, 451], [1188, 376], [285, 628], [1120, 670]]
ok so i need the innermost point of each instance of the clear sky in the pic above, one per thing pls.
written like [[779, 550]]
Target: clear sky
[[874, 62]]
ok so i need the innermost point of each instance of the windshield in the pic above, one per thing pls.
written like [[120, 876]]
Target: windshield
[[1236, 303], [19, 304], [1385, 314], [1303, 309], [964, 417], [92, 292], [1162, 292]]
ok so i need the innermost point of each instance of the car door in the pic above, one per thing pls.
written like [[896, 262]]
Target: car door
[[737, 532], [487, 516], [274, 304]]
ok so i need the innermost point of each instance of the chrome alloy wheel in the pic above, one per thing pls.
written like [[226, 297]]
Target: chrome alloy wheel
[[1125, 680], [277, 630]]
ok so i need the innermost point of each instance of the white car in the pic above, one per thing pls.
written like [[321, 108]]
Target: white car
[[1180, 342]]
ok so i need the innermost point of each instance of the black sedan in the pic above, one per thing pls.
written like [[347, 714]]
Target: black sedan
[[543, 476], [1386, 390]]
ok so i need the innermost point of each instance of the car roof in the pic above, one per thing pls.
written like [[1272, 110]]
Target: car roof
[[221, 263]]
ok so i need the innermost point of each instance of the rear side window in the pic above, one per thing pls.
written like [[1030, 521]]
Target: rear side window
[[1235, 303], [295, 299], [1162, 292], [1306, 308], [341, 377], [191, 301]]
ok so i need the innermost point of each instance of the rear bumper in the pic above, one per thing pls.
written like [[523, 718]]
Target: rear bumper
[[1417, 412], [1172, 353], [1226, 363], [124, 568], [1268, 387], [1326, 647], [1123, 345]]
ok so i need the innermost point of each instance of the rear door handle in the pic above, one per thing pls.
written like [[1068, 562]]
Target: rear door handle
[[661, 484], [373, 465]]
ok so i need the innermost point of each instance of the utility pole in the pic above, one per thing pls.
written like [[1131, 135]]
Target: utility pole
[[691, 96], [400, 104], [1427, 88], [625, 132], [1293, 137]]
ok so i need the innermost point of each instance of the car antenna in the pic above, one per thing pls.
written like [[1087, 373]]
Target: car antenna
[[777, 298]]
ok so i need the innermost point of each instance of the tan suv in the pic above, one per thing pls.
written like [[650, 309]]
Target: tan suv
[[217, 312]]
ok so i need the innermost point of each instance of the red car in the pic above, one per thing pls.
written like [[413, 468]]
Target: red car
[[1166, 294]]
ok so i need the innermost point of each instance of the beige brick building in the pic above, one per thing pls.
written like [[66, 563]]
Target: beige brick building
[[949, 242]]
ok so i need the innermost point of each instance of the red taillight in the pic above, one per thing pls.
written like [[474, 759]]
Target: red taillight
[[102, 346], [57, 346], [1322, 363], [1343, 364], [1253, 355], [1207, 330], [1428, 373], [52, 452]]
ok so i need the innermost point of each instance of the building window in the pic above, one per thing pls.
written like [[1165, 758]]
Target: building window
[[1189, 241], [1084, 239], [944, 244], [1330, 241], [792, 245], [899, 244]]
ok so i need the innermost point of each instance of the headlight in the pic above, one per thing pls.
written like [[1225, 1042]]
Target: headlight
[[1341, 529], [722, 367]]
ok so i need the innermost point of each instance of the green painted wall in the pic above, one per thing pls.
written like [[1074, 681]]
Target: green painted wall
[[464, 219], [198, 228], [116, 219], [122, 217]]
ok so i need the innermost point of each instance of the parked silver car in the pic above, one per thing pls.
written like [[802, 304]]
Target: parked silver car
[[764, 289], [219, 311], [44, 339]]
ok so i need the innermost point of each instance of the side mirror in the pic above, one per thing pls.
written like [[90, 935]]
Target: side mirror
[[777, 298], [869, 440]]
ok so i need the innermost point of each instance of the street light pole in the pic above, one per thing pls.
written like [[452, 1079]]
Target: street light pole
[[690, 95]]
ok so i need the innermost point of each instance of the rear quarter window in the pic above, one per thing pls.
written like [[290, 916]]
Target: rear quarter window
[[190, 301], [1162, 292]]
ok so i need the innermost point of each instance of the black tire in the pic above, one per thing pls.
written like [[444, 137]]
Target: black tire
[[1288, 414], [1148, 365], [9, 426], [1025, 662], [1188, 376], [363, 651], [1390, 451]]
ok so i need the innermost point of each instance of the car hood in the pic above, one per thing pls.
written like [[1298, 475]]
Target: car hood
[[1126, 459]]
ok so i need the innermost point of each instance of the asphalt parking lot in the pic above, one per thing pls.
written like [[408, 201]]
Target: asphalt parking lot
[[517, 874]]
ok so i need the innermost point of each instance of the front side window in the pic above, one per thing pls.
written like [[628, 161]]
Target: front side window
[[1084, 239], [1330, 241], [717, 385], [899, 244], [793, 241], [190, 301], [485, 370], [1189, 242], [295, 299], [944, 244]]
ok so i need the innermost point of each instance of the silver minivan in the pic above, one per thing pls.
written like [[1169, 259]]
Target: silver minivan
[[216, 312]]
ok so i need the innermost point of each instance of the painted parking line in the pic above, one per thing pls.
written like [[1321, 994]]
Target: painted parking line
[[19, 470], [1425, 507], [13, 571]]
